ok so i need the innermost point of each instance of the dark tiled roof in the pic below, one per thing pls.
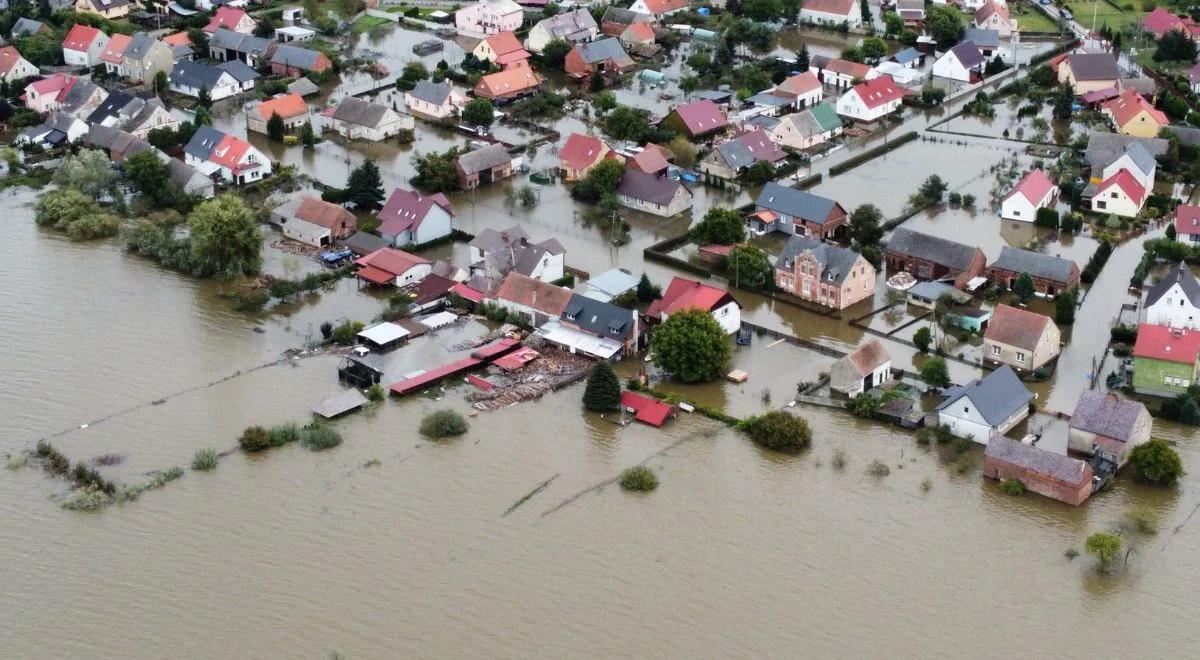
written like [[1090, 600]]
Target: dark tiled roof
[[648, 187], [1039, 461], [203, 142], [493, 155], [996, 396], [1035, 263], [603, 50], [599, 318], [938, 250], [836, 262], [431, 92], [967, 54], [796, 203], [360, 112], [1103, 148], [236, 41], [1109, 415], [1181, 275], [295, 56], [1093, 66], [197, 75], [241, 71]]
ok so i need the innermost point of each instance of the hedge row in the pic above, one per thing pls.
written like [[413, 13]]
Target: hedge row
[[874, 152]]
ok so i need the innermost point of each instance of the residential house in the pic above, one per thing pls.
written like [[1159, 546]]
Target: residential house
[[110, 9], [489, 17], [230, 158], [1161, 21], [933, 258], [639, 38], [191, 180], [303, 87], [732, 158], [230, 18], [659, 9], [1041, 471], [133, 114], [1136, 160], [48, 94], [872, 100], [963, 63], [59, 129], [696, 119], [434, 100], [1021, 339], [609, 285], [605, 56], [1119, 194], [295, 61], [502, 49], [593, 327], [1131, 114], [121, 144], [1164, 360], [795, 211], [804, 90], [990, 44], [867, 367], [831, 12], [189, 78], [684, 294], [1034, 191], [410, 218], [838, 73], [13, 67], [145, 57], [180, 44], [83, 45], [241, 72], [495, 254], [994, 16], [580, 153], [652, 193], [822, 273], [573, 27], [651, 159], [1175, 300], [533, 301], [900, 74], [291, 108], [767, 104], [389, 266], [993, 404], [1088, 72], [356, 118], [113, 55], [912, 12], [27, 27], [314, 221], [294, 34], [1109, 423], [1187, 224], [483, 166], [1051, 275], [616, 20], [227, 44], [808, 128], [1104, 148], [508, 85]]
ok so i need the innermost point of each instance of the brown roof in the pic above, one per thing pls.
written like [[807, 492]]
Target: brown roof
[[869, 357], [320, 212], [546, 298], [1016, 327]]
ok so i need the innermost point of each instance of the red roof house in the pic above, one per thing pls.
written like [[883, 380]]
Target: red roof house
[[652, 159], [659, 7], [871, 100], [408, 217], [13, 66], [1160, 21], [684, 294], [83, 45], [1160, 342], [1132, 114], [1126, 183], [696, 119], [391, 266], [1187, 223], [114, 51], [647, 410], [230, 18], [581, 153], [504, 49]]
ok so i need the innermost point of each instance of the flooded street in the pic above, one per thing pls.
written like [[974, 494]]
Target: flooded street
[[740, 552]]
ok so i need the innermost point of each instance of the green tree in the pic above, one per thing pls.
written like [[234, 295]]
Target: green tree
[[151, 177], [1106, 546], [90, 171], [934, 372], [750, 267], [161, 83], [307, 136], [893, 24], [600, 180], [646, 290], [479, 112], [1156, 462], [685, 152], [865, 226], [1023, 288], [275, 127], [873, 48], [204, 100], [923, 338], [1063, 102], [944, 23], [626, 123], [762, 10], [864, 10], [1064, 308], [720, 226], [414, 71], [554, 53], [689, 84], [254, 438], [225, 239], [203, 117], [603, 391], [1175, 46], [802, 58], [691, 345], [760, 173], [364, 186], [596, 82], [779, 430], [933, 188], [436, 171], [443, 424], [604, 101]]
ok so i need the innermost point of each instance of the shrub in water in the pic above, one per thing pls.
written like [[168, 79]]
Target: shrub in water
[[86, 498], [1143, 520], [205, 459], [780, 431], [1012, 487], [254, 438], [639, 478], [376, 392], [878, 468], [282, 434], [443, 424], [317, 437]]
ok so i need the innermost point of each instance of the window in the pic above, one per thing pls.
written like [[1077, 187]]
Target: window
[[996, 350], [1101, 205], [1113, 195], [1016, 213], [1020, 357]]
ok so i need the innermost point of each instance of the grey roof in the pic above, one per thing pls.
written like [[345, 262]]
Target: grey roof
[[982, 38], [1036, 264], [1143, 86], [295, 56], [736, 154], [907, 55], [183, 174], [930, 290], [489, 239], [79, 94], [836, 262], [113, 105], [648, 187], [493, 155], [144, 113], [431, 92], [818, 61], [1109, 415], [363, 243], [340, 403], [198, 75], [599, 318], [1141, 157], [115, 139], [241, 71], [767, 98], [938, 250], [203, 142], [236, 41], [1036, 459], [593, 52], [796, 203], [764, 122], [624, 16], [1093, 66], [714, 95], [563, 26], [510, 250], [182, 52], [996, 396], [609, 284], [1187, 135], [1104, 148], [1181, 275], [139, 46], [354, 110], [967, 53], [25, 26], [303, 87], [851, 368]]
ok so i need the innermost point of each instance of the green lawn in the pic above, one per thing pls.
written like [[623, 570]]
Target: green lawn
[[368, 23], [1031, 19], [1105, 13]]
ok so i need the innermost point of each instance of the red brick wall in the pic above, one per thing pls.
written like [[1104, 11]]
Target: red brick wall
[[1039, 483]]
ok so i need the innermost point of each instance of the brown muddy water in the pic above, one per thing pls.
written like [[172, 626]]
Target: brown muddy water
[[739, 552]]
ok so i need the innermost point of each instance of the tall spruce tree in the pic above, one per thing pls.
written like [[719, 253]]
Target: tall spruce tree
[[364, 187], [603, 391]]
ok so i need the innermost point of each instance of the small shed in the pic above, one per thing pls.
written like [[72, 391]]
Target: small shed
[[383, 336], [646, 409], [971, 318], [650, 75], [361, 370], [867, 367], [438, 320], [340, 404]]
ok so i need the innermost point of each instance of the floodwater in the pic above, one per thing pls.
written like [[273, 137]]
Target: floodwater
[[299, 554]]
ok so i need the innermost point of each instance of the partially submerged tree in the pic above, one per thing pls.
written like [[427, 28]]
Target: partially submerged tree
[[364, 186], [225, 239], [935, 373], [603, 391], [1156, 462], [779, 430], [720, 226], [750, 267], [90, 172], [275, 127], [1105, 546], [691, 345], [1024, 288], [479, 112]]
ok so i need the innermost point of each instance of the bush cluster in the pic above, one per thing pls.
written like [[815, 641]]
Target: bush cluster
[[443, 424], [639, 478]]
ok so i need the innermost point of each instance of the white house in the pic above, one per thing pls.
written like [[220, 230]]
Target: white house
[[650, 193], [13, 67], [233, 159], [489, 17], [963, 63], [1119, 194], [804, 90], [395, 267], [410, 218], [867, 367], [871, 100], [1175, 301], [1137, 161], [1034, 191], [573, 27], [189, 78], [995, 403], [497, 253], [1187, 224], [831, 12], [356, 118], [684, 294], [83, 45], [434, 100], [659, 8], [994, 16]]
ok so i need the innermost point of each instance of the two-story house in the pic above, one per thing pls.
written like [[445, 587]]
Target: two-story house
[[826, 274], [1021, 339]]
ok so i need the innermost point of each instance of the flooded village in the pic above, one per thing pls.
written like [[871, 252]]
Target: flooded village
[[509, 328]]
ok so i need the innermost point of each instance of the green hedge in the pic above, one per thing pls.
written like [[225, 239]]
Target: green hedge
[[874, 152]]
